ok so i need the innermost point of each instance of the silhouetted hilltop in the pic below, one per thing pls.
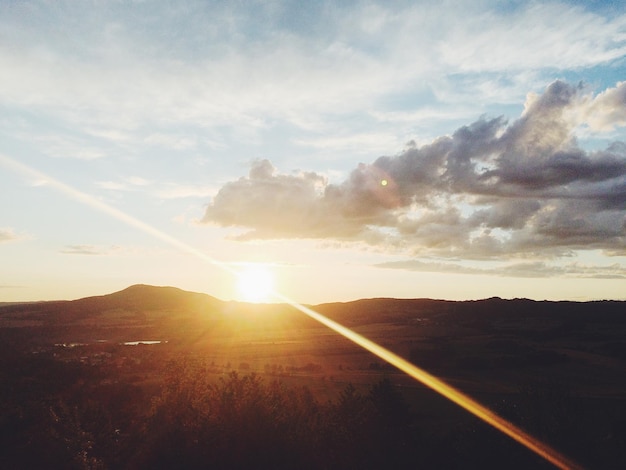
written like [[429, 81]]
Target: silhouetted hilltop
[[169, 309], [143, 297], [141, 373], [132, 303], [382, 310]]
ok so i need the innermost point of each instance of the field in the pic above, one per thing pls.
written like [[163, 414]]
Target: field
[[554, 369]]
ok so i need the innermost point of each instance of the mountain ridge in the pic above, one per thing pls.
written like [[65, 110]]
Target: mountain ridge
[[150, 289], [143, 303]]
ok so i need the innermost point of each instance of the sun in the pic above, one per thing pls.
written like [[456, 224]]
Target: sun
[[255, 283]]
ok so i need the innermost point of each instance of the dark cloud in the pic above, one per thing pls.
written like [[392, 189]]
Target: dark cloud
[[492, 187]]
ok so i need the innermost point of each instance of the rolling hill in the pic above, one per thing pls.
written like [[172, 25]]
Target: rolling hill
[[528, 359], [172, 312]]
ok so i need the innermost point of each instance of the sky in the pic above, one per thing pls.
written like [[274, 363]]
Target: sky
[[450, 150]]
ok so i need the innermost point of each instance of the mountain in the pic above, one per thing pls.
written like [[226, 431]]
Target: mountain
[[135, 303], [535, 361], [171, 312]]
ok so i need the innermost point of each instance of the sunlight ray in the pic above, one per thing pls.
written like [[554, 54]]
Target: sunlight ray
[[111, 211], [442, 388], [410, 369]]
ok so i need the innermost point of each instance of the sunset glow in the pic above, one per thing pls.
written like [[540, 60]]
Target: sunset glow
[[457, 397], [493, 163], [255, 283], [321, 193]]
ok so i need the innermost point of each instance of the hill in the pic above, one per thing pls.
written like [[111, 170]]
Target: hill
[[148, 305], [556, 368], [129, 305], [169, 313]]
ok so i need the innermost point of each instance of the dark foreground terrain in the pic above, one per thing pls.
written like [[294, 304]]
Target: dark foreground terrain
[[155, 377]]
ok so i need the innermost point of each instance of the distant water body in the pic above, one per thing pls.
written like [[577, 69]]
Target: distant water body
[[125, 343], [135, 343]]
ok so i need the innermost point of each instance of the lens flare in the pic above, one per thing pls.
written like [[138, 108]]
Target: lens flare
[[442, 388], [410, 369], [84, 198], [255, 283]]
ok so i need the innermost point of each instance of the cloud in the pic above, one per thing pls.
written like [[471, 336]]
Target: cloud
[[130, 183], [490, 188], [6, 235], [608, 109], [86, 250], [67, 147], [9, 235], [180, 191], [535, 269], [128, 70], [174, 142], [355, 142], [161, 190], [274, 205], [533, 36]]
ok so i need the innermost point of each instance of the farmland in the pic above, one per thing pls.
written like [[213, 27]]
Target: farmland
[[555, 369]]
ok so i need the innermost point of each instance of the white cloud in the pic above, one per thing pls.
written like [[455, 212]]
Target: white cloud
[[161, 190], [370, 143], [112, 185], [533, 269], [68, 147], [175, 142], [179, 191], [125, 74], [129, 183], [607, 110], [100, 250], [7, 235], [492, 188], [83, 250], [539, 35]]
